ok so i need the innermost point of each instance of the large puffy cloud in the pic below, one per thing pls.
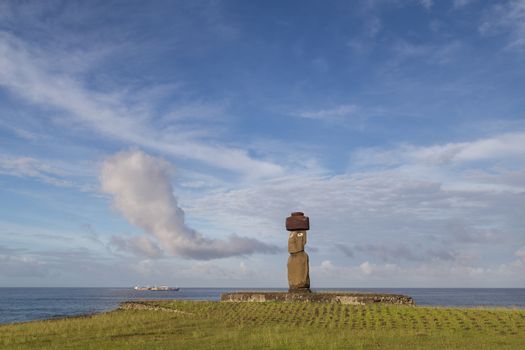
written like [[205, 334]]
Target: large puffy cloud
[[141, 189]]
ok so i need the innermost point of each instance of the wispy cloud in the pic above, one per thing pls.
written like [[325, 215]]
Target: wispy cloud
[[441, 53], [19, 131], [427, 4], [507, 17], [348, 115], [463, 234], [337, 114], [373, 26], [397, 252], [433, 274], [504, 147], [461, 3], [21, 266], [34, 168], [521, 254], [27, 72], [450, 207], [138, 245]]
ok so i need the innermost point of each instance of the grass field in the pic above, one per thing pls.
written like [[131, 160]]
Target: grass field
[[274, 325]]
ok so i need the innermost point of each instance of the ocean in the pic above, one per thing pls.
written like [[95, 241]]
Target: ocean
[[26, 304]]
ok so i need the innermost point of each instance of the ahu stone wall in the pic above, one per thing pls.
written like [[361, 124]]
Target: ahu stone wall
[[331, 297]]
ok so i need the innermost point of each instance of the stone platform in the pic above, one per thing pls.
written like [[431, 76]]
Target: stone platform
[[320, 297]]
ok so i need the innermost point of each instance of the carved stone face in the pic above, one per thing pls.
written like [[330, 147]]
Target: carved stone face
[[296, 241]]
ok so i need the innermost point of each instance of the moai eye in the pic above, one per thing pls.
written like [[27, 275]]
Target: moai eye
[[300, 234], [291, 234]]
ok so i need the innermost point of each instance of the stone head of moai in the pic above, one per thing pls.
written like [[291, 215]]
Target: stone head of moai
[[297, 224], [296, 241]]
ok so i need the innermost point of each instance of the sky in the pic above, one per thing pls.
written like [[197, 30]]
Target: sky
[[165, 142]]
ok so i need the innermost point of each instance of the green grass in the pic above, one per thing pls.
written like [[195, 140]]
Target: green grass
[[275, 325]]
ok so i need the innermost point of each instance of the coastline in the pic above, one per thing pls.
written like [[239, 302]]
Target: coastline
[[138, 304], [245, 325], [26, 304]]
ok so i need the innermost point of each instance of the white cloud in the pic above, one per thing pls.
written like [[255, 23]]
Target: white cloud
[[443, 274], [454, 205], [508, 17], [367, 268], [429, 53], [326, 265], [142, 191], [370, 198], [398, 252], [242, 267], [521, 254], [338, 113], [372, 26], [504, 147], [34, 168], [139, 245], [201, 273], [461, 3], [427, 4], [33, 75], [21, 266], [20, 132]]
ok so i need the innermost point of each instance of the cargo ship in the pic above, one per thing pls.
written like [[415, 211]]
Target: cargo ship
[[155, 288]]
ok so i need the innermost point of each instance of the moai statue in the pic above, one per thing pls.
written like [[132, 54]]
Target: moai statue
[[298, 269]]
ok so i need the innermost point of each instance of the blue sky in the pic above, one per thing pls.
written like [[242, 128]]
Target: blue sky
[[166, 141]]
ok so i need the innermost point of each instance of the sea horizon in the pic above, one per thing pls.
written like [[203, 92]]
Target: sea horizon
[[261, 288]]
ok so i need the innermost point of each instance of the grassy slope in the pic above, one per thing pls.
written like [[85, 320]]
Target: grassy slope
[[212, 325]]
